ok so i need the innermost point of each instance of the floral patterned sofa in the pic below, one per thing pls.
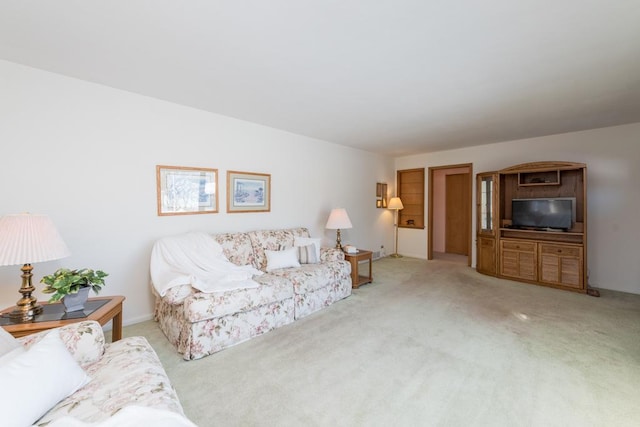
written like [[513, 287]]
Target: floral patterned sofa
[[126, 373], [199, 324]]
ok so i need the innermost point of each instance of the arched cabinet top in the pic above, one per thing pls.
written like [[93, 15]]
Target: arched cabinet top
[[542, 166]]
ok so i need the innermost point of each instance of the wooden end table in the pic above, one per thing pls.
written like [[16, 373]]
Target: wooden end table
[[354, 259], [100, 309]]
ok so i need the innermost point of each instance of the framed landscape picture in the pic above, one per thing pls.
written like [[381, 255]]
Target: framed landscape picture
[[248, 192], [186, 190]]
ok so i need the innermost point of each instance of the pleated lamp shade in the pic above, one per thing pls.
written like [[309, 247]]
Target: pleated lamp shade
[[28, 238]]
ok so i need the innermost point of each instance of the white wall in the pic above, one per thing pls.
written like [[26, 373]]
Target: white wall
[[85, 155], [612, 156]]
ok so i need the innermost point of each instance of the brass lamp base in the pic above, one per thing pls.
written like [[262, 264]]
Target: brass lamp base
[[25, 314], [27, 307], [338, 240], [396, 254]]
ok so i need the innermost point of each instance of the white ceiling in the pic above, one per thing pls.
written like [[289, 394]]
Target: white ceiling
[[391, 76]]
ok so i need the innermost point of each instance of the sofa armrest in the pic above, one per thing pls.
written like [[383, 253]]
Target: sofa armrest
[[84, 340], [331, 254], [177, 294]]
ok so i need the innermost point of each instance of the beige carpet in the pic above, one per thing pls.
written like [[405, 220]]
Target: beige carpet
[[428, 343]]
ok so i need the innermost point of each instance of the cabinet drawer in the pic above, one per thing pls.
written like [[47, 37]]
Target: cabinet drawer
[[568, 251], [517, 245]]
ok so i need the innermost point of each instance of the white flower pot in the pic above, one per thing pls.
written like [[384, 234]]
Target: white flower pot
[[75, 302]]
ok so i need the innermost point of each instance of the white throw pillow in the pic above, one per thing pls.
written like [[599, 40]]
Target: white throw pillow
[[8, 357], [282, 259], [35, 381], [304, 241], [7, 342], [307, 254]]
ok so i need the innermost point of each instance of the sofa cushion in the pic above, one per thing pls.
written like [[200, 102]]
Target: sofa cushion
[[202, 306], [237, 248], [285, 258], [129, 373], [311, 277], [84, 340], [299, 232], [308, 255], [50, 367], [305, 241], [273, 240]]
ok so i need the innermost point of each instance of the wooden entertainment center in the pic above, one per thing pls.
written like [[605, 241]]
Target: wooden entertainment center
[[549, 257]]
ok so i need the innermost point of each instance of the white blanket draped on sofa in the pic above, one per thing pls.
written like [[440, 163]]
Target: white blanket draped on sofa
[[198, 260]]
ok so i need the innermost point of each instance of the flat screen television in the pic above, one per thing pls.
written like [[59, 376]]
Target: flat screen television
[[551, 213]]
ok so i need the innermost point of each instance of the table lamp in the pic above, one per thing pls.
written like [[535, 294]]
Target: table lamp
[[396, 204], [338, 219], [25, 239]]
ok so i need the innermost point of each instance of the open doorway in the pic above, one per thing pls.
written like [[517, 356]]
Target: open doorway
[[450, 189]]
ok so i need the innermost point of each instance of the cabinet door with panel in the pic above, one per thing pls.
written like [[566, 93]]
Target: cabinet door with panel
[[561, 265], [486, 223], [486, 254], [518, 259]]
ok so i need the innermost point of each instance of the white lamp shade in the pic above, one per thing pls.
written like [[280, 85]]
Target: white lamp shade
[[338, 219], [28, 238], [395, 203]]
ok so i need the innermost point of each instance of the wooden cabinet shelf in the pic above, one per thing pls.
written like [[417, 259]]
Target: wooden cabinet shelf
[[550, 236], [411, 192], [539, 178]]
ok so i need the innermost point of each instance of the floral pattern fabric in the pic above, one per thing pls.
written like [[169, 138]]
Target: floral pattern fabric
[[176, 294], [331, 254], [127, 372], [195, 340], [317, 286], [203, 306], [237, 248], [199, 324], [84, 340], [271, 240]]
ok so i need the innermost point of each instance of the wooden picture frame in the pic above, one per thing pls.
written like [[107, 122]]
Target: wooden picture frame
[[185, 190], [381, 195], [248, 192]]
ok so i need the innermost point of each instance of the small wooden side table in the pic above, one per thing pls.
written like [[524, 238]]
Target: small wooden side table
[[101, 309], [354, 259]]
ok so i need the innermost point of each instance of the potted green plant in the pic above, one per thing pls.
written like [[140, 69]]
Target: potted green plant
[[73, 286]]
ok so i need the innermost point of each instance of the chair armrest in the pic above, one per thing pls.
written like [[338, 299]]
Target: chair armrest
[[331, 254], [84, 340]]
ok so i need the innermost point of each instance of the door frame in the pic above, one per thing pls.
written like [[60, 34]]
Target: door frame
[[430, 201]]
